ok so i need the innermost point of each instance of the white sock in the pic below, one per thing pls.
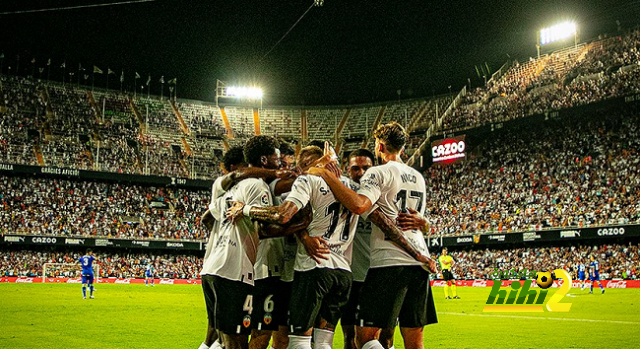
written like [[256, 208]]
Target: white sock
[[299, 342], [203, 346], [372, 344], [215, 345], [322, 339]]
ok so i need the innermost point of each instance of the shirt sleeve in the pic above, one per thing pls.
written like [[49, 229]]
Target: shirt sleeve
[[370, 185], [256, 193], [300, 192], [216, 190]]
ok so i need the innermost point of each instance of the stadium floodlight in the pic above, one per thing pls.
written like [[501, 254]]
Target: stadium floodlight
[[557, 33], [238, 93], [244, 92]]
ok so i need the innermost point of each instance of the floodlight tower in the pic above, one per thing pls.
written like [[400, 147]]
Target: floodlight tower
[[557, 33]]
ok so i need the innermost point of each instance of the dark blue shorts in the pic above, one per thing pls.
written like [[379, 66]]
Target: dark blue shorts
[[87, 278]]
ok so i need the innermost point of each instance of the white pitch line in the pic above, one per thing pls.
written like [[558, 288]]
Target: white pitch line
[[543, 318]]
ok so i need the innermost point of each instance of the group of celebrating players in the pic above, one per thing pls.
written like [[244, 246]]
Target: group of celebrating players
[[295, 247]]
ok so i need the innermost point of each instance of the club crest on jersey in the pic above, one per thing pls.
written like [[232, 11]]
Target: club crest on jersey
[[265, 199], [267, 318], [246, 322]]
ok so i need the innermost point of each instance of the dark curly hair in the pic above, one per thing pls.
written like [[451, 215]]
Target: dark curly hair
[[258, 146], [233, 157], [392, 135], [286, 148]]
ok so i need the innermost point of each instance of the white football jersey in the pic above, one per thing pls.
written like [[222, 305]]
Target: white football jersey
[[394, 187], [235, 249], [361, 245], [331, 221], [216, 192], [289, 243]]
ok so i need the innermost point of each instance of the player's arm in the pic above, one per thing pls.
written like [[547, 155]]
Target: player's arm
[[354, 202], [207, 220], [316, 247], [413, 221], [235, 177], [270, 214], [298, 223], [393, 233]]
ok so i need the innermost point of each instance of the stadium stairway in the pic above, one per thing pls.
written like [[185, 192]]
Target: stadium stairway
[[94, 106], [176, 112], [136, 112], [381, 112], [343, 122], [186, 147], [38, 154], [256, 121], [303, 126], [227, 125]]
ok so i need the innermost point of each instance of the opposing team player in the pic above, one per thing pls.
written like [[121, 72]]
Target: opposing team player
[[582, 274], [594, 274], [397, 284], [149, 274], [86, 262], [446, 264]]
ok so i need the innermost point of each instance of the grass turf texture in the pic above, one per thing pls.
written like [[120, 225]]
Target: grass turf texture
[[173, 316]]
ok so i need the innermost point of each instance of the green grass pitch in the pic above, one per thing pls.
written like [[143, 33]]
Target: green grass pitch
[[173, 316]]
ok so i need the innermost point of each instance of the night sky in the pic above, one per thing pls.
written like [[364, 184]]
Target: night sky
[[343, 52]]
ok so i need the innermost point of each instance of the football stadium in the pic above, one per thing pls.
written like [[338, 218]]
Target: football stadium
[[311, 174]]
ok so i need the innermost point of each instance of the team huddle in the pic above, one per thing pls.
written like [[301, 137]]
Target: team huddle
[[295, 247]]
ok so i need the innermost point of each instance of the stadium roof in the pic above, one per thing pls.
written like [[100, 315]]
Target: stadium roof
[[342, 52]]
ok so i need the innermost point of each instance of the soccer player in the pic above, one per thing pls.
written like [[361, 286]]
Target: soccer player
[[235, 170], [86, 262], [446, 264], [228, 273], [397, 284], [359, 162], [594, 273], [582, 275], [320, 286], [149, 274]]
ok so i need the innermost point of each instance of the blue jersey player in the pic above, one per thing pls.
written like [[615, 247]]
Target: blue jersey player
[[594, 273], [149, 274], [582, 275], [86, 262]]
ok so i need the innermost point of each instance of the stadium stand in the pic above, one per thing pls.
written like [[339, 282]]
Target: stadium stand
[[567, 172], [57, 207], [617, 261], [118, 265]]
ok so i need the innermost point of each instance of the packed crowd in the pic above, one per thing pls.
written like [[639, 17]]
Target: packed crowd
[[565, 173], [120, 265], [539, 89], [617, 261], [57, 207]]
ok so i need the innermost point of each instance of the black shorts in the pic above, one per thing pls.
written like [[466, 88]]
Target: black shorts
[[397, 293], [350, 309], [229, 304], [447, 275], [270, 304], [318, 292]]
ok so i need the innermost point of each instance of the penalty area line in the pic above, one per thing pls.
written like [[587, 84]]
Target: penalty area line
[[543, 318]]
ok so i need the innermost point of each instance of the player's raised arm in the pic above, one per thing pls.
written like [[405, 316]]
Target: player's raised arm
[[354, 202], [237, 176], [394, 234]]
